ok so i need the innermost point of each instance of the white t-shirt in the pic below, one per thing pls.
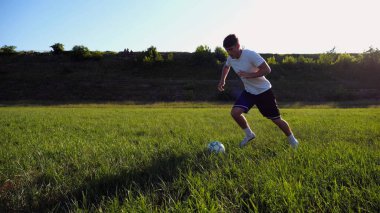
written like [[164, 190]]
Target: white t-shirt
[[250, 60]]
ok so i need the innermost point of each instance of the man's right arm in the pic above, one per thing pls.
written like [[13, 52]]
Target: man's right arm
[[222, 82]]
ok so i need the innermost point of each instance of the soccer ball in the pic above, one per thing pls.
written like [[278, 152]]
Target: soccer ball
[[216, 147]]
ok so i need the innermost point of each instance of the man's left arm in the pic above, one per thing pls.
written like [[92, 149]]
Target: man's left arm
[[264, 69]]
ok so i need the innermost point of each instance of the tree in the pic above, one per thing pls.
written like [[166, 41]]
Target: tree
[[57, 48], [151, 55], [371, 57], [203, 49], [327, 58], [345, 59], [289, 60], [203, 55], [81, 52], [272, 60], [220, 54], [305, 60], [8, 50]]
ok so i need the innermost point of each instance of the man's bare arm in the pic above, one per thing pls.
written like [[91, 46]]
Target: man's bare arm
[[222, 82]]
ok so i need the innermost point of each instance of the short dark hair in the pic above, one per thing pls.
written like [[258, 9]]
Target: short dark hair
[[230, 41]]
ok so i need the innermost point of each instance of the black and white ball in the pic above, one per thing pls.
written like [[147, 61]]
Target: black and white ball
[[216, 147]]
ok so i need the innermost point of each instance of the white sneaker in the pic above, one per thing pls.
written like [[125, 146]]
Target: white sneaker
[[293, 142], [247, 139]]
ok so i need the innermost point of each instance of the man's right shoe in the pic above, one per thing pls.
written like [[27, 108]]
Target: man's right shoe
[[247, 139], [293, 143]]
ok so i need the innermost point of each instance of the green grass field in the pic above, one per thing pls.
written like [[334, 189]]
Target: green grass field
[[110, 158]]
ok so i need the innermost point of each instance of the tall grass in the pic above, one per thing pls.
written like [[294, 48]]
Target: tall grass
[[118, 158]]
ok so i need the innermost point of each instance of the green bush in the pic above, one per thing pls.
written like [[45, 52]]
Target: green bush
[[28, 53], [203, 49], [170, 57], [272, 61], [289, 60], [203, 55], [96, 55], [345, 60], [81, 52], [8, 50], [148, 60], [327, 58], [57, 48], [220, 54], [305, 60], [151, 55], [371, 57], [108, 53]]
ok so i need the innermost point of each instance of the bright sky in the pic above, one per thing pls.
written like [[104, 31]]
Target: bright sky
[[266, 26]]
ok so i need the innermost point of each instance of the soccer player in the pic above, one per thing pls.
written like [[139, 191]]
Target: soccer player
[[252, 68]]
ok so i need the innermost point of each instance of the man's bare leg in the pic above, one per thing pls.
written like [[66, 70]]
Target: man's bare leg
[[284, 126], [237, 115]]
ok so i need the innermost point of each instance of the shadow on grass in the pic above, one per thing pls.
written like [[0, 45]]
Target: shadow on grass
[[164, 168], [146, 179]]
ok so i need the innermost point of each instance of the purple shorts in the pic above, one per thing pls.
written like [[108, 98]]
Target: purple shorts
[[265, 102]]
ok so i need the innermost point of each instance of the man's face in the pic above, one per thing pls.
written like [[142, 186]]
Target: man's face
[[233, 51]]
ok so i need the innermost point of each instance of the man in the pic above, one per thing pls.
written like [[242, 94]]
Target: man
[[252, 68]]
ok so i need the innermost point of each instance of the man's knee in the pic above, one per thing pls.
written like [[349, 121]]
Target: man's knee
[[236, 111]]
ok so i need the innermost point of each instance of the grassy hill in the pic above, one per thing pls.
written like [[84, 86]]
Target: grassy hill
[[115, 77]]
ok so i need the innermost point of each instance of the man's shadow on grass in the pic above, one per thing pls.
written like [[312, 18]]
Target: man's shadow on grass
[[164, 168]]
